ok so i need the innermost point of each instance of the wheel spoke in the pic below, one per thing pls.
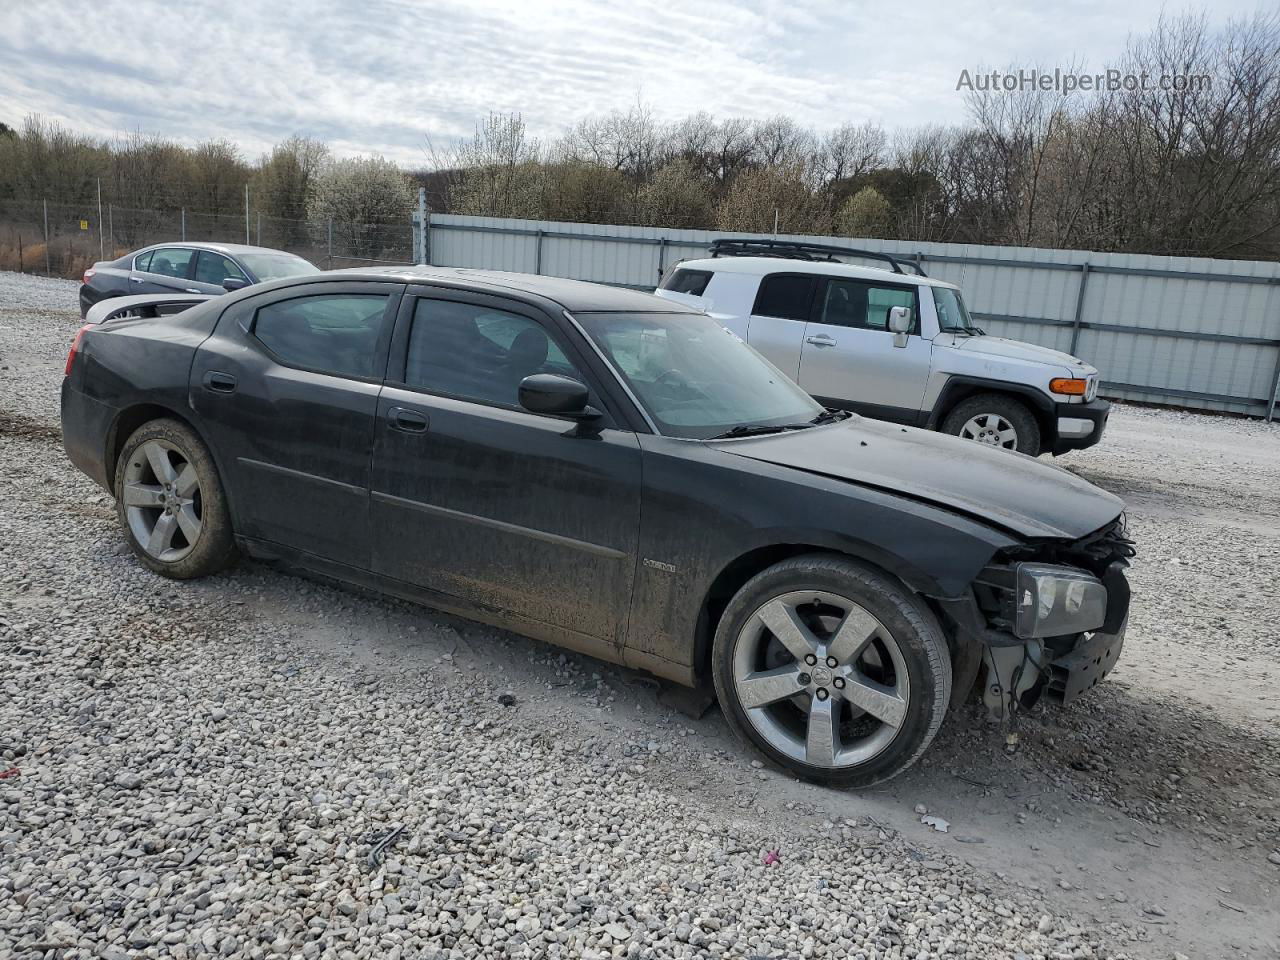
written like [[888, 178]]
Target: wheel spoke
[[1008, 436], [880, 701], [161, 538], [785, 624], [143, 495], [186, 482], [769, 686], [158, 457], [822, 741], [189, 523], [852, 636]]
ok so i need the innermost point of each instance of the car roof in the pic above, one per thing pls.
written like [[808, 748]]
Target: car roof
[[577, 296], [232, 249], [762, 266]]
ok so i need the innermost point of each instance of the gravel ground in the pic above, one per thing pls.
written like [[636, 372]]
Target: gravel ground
[[212, 768]]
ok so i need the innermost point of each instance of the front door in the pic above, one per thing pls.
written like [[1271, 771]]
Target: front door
[[476, 498], [851, 359], [776, 328], [287, 388]]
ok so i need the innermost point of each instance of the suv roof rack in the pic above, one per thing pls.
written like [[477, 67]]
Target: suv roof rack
[[798, 250]]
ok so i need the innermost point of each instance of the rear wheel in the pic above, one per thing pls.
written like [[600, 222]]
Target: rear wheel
[[832, 670], [170, 502], [995, 419]]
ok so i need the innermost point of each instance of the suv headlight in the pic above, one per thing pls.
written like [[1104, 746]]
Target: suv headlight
[[1053, 601]]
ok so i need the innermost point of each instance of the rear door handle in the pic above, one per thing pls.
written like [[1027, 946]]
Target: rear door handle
[[409, 421], [822, 340], [219, 382]]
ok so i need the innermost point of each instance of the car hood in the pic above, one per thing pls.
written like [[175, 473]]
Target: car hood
[[1009, 490], [1020, 350]]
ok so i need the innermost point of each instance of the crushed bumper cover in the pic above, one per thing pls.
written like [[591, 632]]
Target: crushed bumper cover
[[1082, 669]]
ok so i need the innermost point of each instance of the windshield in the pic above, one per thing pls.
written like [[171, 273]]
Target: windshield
[[274, 266], [694, 377], [952, 314]]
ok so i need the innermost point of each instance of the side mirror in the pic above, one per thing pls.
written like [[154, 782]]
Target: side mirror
[[899, 324], [556, 395], [234, 283]]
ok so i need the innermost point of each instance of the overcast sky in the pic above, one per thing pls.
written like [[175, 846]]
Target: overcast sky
[[386, 76]]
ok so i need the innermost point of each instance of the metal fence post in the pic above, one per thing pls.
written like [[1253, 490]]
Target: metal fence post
[[537, 254], [111, 225], [47, 270], [184, 224], [420, 234], [662, 256], [246, 213], [259, 228], [331, 243], [1075, 321], [1275, 388], [102, 249]]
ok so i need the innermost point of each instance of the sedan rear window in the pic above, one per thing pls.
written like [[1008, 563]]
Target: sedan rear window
[[336, 333], [692, 282]]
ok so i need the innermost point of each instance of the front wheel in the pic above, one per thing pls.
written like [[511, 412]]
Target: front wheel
[[997, 420], [170, 502], [832, 670]]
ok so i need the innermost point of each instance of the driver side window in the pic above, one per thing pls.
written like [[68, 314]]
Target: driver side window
[[479, 353]]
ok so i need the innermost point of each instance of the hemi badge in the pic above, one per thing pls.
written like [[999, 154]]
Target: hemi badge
[[659, 565]]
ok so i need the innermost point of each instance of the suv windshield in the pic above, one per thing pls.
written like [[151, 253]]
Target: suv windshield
[[952, 315], [275, 266], [695, 378]]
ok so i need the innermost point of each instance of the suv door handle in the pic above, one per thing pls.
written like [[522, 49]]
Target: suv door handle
[[219, 382], [821, 340], [408, 421]]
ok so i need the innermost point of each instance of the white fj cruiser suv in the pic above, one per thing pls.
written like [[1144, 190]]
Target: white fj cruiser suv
[[892, 345]]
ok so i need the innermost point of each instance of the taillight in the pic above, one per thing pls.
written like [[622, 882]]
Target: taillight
[[75, 348], [88, 275]]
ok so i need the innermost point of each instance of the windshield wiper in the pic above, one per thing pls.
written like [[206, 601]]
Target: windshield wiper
[[830, 415], [758, 429]]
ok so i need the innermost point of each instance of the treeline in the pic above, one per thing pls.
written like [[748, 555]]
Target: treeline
[[1192, 170]]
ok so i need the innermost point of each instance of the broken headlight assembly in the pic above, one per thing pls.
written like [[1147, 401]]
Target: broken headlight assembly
[[1052, 601]]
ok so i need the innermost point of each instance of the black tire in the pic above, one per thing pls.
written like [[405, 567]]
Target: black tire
[[214, 545], [913, 627], [1013, 410]]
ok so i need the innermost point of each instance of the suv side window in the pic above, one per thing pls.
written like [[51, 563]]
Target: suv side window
[[171, 262], [214, 268], [479, 353], [865, 305], [785, 295], [329, 333], [692, 282]]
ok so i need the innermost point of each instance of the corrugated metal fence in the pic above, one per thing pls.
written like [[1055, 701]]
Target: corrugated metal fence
[[1180, 331]]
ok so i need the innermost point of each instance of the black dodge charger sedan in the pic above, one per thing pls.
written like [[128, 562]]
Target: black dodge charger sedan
[[608, 471], [201, 268]]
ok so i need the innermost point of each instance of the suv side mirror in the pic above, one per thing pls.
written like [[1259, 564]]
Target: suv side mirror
[[899, 324], [234, 283], [553, 394]]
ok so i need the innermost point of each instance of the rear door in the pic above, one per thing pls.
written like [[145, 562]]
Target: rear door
[[851, 359], [167, 270], [476, 498], [776, 328], [287, 388]]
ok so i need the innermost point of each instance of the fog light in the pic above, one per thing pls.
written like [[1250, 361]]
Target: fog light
[[1054, 601]]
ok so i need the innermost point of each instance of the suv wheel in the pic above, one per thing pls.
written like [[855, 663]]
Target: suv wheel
[[995, 419], [170, 502], [832, 670]]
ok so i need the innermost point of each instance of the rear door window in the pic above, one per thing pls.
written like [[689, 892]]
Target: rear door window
[[171, 262], [331, 333], [142, 262], [692, 282], [785, 295]]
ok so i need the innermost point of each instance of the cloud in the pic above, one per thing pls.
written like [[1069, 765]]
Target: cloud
[[387, 76]]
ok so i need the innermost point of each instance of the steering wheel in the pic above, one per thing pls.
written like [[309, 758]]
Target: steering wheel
[[677, 378]]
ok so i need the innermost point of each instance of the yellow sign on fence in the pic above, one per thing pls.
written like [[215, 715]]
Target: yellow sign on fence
[[84, 224]]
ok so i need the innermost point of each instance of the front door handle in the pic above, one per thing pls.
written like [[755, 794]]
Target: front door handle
[[822, 340], [219, 382], [136, 279], [194, 290], [409, 421]]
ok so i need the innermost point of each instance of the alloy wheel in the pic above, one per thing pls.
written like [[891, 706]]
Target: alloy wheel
[[820, 679], [162, 500], [991, 428]]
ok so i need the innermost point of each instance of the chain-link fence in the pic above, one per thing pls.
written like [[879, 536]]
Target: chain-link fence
[[63, 239]]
